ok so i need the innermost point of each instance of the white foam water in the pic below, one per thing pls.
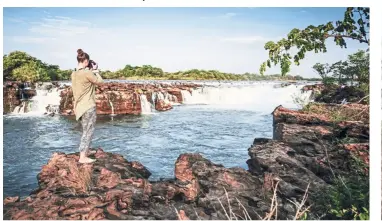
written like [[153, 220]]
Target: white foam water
[[45, 101], [259, 97], [145, 105]]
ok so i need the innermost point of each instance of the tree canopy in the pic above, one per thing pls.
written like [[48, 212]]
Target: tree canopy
[[21, 66], [354, 26]]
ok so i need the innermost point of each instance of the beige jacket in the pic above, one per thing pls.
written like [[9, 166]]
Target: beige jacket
[[84, 90]]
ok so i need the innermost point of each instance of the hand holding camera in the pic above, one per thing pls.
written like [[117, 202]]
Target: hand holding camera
[[92, 65]]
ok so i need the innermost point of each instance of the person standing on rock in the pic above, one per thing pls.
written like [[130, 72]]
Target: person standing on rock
[[84, 82]]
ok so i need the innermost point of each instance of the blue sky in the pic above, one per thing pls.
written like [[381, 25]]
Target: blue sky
[[225, 39]]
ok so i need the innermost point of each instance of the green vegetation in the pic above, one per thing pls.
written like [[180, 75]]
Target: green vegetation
[[23, 67], [149, 72], [355, 26], [354, 70], [20, 66], [348, 197]]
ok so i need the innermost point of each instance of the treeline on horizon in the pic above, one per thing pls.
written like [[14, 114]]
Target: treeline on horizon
[[20, 66]]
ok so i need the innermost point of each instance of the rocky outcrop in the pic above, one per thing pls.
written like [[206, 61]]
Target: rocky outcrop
[[126, 98], [315, 88], [309, 149], [113, 188], [337, 94], [161, 105], [14, 93]]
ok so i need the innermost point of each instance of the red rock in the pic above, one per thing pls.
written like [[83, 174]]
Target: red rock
[[177, 93], [125, 98], [140, 183], [100, 154], [230, 180], [161, 105], [183, 172], [77, 209], [182, 215], [75, 202], [62, 172], [113, 211], [360, 150], [108, 179], [96, 214], [9, 200], [137, 165], [113, 195]]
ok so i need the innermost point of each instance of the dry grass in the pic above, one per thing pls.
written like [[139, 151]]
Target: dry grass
[[273, 210], [336, 112], [301, 209]]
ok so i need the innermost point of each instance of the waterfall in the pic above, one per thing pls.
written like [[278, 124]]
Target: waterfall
[[153, 98], [111, 105], [112, 108], [259, 96], [45, 100], [55, 109], [18, 109], [160, 96], [186, 95], [23, 108], [145, 104]]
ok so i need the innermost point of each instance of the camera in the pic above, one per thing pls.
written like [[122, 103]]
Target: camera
[[92, 65]]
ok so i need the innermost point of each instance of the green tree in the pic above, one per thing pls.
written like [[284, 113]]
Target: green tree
[[324, 70], [14, 61], [355, 26], [26, 73], [20, 66], [359, 63], [340, 71]]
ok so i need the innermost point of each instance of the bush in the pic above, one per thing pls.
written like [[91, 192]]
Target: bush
[[348, 197]]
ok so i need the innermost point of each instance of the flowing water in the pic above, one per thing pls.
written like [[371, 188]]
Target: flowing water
[[219, 121]]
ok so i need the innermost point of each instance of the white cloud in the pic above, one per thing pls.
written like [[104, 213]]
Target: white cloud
[[227, 15], [245, 39], [28, 39], [59, 26]]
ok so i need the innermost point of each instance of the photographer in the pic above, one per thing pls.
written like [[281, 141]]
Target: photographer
[[84, 80]]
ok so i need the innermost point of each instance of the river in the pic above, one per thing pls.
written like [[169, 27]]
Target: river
[[220, 121]]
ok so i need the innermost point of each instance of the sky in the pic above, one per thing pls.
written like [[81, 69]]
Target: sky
[[226, 39]]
